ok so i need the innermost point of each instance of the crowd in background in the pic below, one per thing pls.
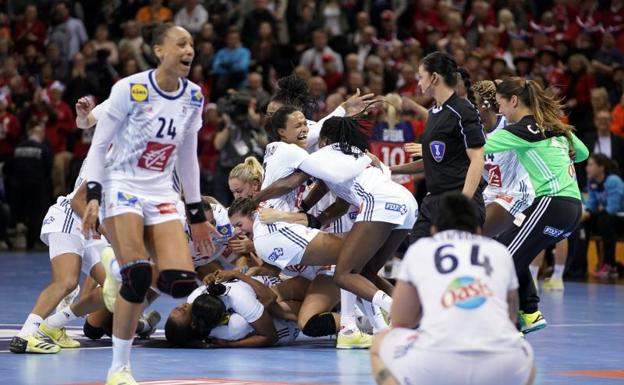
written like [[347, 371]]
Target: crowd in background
[[54, 52]]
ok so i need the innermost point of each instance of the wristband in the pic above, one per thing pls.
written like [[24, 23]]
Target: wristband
[[195, 213], [313, 221], [94, 191]]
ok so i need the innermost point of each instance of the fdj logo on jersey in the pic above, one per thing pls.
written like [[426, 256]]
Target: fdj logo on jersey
[[399, 208], [437, 149], [466, 293], [277, 252], [139, 92]]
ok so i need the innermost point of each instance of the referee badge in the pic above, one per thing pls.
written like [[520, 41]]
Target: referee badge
[[437, 149]]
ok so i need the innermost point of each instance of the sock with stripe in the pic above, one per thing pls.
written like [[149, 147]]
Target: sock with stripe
[[61, 318], [31, 325]]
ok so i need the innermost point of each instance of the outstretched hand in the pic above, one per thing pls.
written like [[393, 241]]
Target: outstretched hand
[[356, 103]]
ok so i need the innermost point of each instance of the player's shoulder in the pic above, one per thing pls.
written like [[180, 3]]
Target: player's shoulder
[[526, 128], [194, 92], [460, 106]]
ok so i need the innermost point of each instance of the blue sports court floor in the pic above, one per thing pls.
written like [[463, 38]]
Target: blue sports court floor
[[584, 344]]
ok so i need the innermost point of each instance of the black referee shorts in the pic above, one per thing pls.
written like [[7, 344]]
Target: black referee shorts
[[547, 221], [429, 208]]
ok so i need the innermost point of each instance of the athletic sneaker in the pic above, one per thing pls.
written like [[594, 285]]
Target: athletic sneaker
[[606, 272], [553, 284], [68, 300], [352, 338], [121, 377], [111, 286], [58, 336], [531, 322], [147, 324], [32, 344]]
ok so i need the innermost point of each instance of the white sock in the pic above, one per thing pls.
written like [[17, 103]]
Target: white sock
[[534, 272], [374, 315], [558, 272], [382, 300], [347, 309], [30, 326], [121, 354], [61, 318]]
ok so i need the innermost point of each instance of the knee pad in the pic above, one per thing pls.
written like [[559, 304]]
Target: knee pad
[[177, 283], [136, 278], [92, 332], [320, 325]]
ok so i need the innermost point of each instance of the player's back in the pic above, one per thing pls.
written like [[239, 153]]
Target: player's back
[[463, 281]]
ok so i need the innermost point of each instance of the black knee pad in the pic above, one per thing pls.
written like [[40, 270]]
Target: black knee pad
[[92, 332], [320, 325], [136, 278], [177, 283]]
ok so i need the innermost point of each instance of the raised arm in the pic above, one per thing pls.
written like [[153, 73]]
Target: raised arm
[[281, 186]]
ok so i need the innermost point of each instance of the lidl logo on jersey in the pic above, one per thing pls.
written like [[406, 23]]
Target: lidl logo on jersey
[[225, 231], [466, 293], [196, 98], [125, 199], [437, 149], [399, 208], [139, 92], [551, 231], [277, 252]]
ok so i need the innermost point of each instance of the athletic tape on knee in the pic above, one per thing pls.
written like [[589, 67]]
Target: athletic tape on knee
[[136, 278], [320, 325], [92, 332], [177, 283]]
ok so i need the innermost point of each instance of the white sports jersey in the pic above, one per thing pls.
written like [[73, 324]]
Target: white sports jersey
[[237, 329], [314, 128], [462, 281], [222, 252], [100, 109], [280, 160], [507, 179], [155, 123], [308, 272], [239, 298]]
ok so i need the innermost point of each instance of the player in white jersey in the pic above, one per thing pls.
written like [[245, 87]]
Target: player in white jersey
[[208, 312], [454, 311], [509, 191], [151, 121]]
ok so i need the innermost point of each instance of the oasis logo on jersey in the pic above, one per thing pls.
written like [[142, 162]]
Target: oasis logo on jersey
[[552, 232], [196, 98], [437, 149], [225, 231], [399, 208], [156, 156], [139, 92], [277, 252], [466, 293]]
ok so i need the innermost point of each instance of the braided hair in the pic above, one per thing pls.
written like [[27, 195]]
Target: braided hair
[[346, 133]]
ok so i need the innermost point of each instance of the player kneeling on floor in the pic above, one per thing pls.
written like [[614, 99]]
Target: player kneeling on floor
[[467, 287]]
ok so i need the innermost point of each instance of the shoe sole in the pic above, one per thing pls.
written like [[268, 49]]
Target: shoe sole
[[58, 343], [538, 326]]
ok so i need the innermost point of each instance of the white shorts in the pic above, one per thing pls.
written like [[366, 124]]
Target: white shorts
[[514, 202], [282, 244], [89, 251], [390, 203], [308, 272], [61, 219], [410, 364], [116, 202]]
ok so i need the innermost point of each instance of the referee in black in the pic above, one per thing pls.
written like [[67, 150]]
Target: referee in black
[[452, 143]]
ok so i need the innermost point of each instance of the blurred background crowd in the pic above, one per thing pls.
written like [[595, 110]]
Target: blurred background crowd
[[54, 52]]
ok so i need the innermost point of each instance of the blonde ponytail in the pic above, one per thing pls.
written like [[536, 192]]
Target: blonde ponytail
[[249, 171]]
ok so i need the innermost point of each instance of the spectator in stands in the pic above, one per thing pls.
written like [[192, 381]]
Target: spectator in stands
[[132, 45], [29, 30], [154, 11], [605, 60], [255, 90], [79, 83], [362, 21], [30, 181], [230, 65], [264, 51], [258, 15], [578, 100], [312, 59], [10, 131], [60, 65], [606, 199], [603, 141], [365, 45], [192, 16], [67, 32], [102, 41], [617, 115]]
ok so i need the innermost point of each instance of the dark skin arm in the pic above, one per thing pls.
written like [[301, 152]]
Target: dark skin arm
[[316, 194], [408, 168], [281, 186], [333, 212]]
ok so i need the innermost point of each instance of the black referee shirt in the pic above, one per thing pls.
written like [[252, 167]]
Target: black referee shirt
[[451, 129]]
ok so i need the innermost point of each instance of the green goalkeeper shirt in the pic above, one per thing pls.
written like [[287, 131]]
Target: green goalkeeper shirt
[[546, 159]]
